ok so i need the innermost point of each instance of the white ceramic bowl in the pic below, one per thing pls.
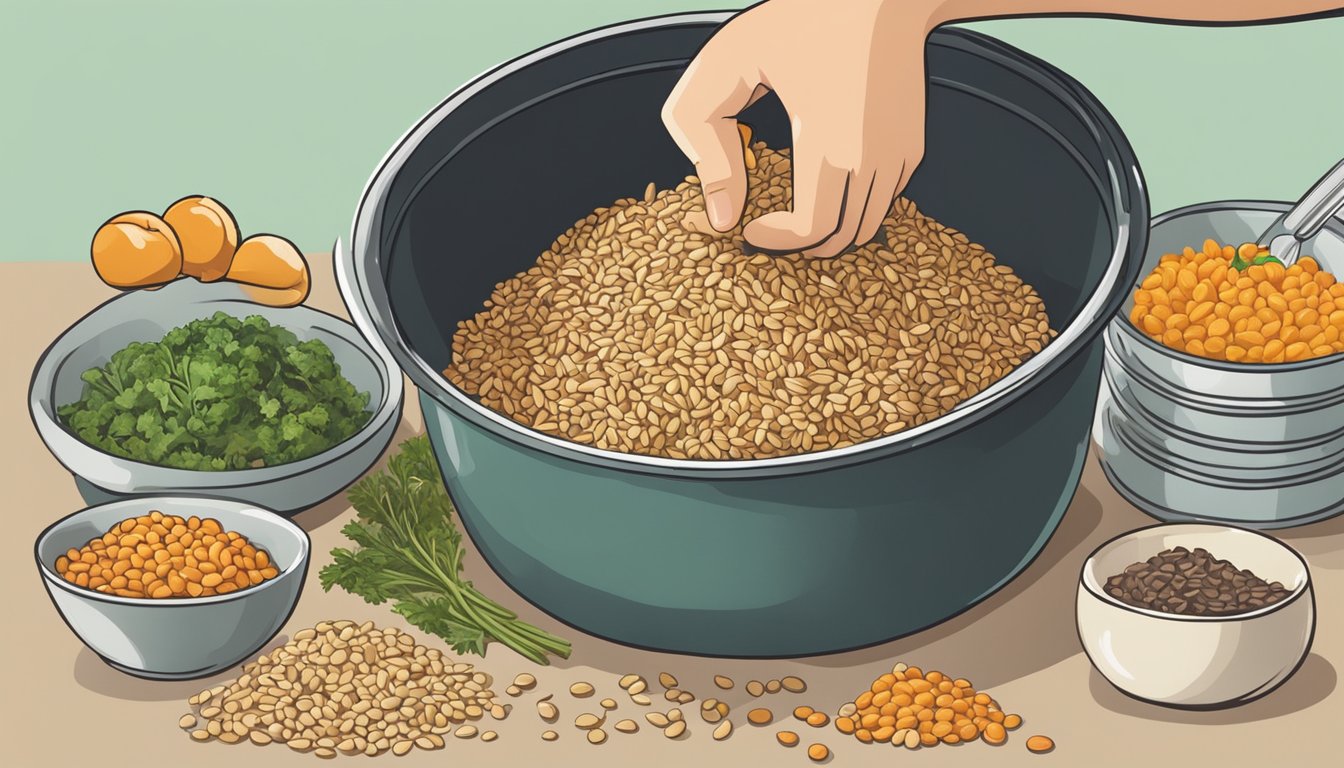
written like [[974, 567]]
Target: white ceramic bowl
[[1202, 662], [177, 638]]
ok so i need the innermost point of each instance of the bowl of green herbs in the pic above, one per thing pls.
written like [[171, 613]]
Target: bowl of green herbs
[[194, 389]]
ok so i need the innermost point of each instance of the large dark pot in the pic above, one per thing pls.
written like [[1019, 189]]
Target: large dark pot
[[776, 557]]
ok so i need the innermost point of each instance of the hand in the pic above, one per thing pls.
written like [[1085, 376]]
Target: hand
[[850, 73]]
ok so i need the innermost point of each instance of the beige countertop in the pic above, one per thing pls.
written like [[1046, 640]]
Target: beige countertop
[[63, 707]]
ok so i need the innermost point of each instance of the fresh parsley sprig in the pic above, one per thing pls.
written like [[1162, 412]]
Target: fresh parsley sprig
[[410, 552]]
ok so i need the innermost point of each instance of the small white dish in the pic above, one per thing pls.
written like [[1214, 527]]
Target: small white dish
[[1197, 662]]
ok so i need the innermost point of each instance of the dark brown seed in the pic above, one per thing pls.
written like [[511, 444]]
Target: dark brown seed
[[1196, 583]]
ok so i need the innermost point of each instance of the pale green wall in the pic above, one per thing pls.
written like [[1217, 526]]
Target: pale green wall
[[282, 108]]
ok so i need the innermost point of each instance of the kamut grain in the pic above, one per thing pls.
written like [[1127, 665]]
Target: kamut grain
[[639, 333], [547, 710], [588, 721], [723, 730], [724, 682], [386, 693], [657, 719]]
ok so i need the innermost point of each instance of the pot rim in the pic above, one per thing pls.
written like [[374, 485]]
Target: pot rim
[[365, 294]]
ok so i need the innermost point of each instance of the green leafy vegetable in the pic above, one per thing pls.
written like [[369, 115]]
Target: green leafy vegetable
[[410, 552], [1266, 259], [217, 394]]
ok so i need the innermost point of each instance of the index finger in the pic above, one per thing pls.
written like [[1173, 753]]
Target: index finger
[[700, 114]]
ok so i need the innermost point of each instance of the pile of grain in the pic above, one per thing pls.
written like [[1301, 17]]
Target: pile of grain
[[348, 688], [642, 331]]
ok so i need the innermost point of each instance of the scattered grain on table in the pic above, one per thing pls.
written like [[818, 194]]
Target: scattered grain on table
[[760, 716], [1040, 744], [386, 693], [547, 710]]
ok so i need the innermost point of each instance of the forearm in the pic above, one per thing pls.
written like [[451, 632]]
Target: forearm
[[1192, 11]]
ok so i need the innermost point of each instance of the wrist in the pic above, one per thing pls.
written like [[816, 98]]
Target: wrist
[[922, 15], [935, 13]]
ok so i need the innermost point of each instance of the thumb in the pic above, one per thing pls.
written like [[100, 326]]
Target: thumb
[[700, 114]]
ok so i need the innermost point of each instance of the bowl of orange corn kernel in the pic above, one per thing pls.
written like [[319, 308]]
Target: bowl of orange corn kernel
[[1223, 390]]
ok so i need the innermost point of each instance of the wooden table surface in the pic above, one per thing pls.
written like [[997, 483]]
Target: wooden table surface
[[64, 707]]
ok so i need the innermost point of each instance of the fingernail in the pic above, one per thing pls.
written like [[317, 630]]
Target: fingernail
[[719, 207]]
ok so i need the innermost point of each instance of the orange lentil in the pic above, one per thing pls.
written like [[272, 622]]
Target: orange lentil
[[1040, 744], [942, 710], [143, 557], [1197, 303]]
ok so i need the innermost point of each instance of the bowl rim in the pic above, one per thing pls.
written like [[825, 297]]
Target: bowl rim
[[1123, 188], [62, 443], [1121, 322], [274, 518], [1089, 582]]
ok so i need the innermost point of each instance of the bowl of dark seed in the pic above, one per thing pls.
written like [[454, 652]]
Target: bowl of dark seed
[[1195, 616]]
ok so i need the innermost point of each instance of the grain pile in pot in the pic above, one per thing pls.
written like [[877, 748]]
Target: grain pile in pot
[[642, 330]]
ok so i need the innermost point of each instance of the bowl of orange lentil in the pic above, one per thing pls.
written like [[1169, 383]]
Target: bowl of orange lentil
[[173, 588], [1223, 390]]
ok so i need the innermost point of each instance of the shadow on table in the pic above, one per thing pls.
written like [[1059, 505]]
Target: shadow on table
[[1322, 543], [315, 517], [1032, 616], [97, 677], [1310, 685]]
